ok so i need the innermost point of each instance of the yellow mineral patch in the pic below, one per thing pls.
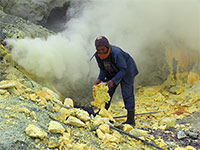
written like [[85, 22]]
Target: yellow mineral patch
[[69, 102], [33, 115], [83, 115], [24, 110], [104, 128], [192, 78], [186, 148], [80, 146], [100, 95], [104, 113], [3, 91], [35, 132], [118, 136], [110, 138], [7, 84], [75, 122], [53, 143], [161, 143], [139, 133], [99, 120], [169, 121], [33, 97], [127, 128], [100, 134], [56, 127]]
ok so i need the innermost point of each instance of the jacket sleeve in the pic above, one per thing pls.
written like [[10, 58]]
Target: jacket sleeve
[[121, 64], [102, 73]]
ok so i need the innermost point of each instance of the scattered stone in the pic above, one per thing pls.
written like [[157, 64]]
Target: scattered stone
[[24, 110], [139, 133], [80, 147], [53, 143], [75, 122], [83, 115], [181, 135], [33, 115], [7, 84], [49, 106], [51, 93], [169, 121], [99, 120], [176, 89], [171, 101], [56, 127], [127, 127], [35, 132], [61, 115], [100, 134], [104, 128], [110, 138], [118, 136], [186, 148], [193, 135], [69, 102], [3, 91]]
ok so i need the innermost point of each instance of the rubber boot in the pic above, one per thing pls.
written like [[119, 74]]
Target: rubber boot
[[130, 117]]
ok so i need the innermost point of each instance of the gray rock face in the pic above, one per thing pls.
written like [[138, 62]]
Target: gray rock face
[[34, 11], [15, 27]]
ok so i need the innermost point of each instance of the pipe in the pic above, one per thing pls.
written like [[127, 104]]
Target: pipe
[[141, 114], [132, 136]]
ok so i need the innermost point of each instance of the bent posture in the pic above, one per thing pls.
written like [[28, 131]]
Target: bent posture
[[117, 67]]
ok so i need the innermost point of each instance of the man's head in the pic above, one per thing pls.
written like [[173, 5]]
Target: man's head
[[102, 46]]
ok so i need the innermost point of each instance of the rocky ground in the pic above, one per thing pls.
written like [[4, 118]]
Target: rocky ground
[[30, 120]]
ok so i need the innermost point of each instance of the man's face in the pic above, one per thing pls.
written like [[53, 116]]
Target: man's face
[[102, 50]]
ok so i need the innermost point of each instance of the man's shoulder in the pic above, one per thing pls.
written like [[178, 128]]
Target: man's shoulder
[[115, 50]]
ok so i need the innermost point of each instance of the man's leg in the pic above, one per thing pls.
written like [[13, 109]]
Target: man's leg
[[111, 92], [129, 101]]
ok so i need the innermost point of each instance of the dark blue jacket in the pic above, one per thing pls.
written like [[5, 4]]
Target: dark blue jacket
[[118, 66]]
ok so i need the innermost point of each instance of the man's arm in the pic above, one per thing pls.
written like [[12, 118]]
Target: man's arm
[[102, 73], [121, 64]]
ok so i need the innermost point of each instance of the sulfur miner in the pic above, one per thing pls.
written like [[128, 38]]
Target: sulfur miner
[[117, 67]]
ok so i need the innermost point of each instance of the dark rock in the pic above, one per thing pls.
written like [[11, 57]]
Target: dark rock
[[193, 135]]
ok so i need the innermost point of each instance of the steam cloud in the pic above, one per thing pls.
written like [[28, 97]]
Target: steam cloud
[[131, 24]]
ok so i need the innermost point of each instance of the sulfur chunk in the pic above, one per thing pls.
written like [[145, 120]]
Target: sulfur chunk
[[100, 95], [75, 122], [56, 127], [104, 128], [35, 132]]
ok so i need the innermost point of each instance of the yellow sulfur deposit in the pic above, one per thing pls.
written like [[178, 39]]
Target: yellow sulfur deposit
[[192, 77], [100, 95], [186, 148]]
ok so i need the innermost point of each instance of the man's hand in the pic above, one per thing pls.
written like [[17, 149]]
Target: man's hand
[[97, 82], [110, 84]]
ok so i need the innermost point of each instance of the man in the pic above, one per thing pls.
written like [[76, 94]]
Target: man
[[117, 67]]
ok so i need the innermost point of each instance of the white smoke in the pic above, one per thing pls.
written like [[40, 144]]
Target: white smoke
[[130, 24]]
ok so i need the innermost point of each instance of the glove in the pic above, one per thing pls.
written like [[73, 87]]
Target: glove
[[110, 84], [97, 81]]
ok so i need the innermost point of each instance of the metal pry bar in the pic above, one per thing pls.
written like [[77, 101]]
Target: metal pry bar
[[132, 136], [61, 104], [153, 112]]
